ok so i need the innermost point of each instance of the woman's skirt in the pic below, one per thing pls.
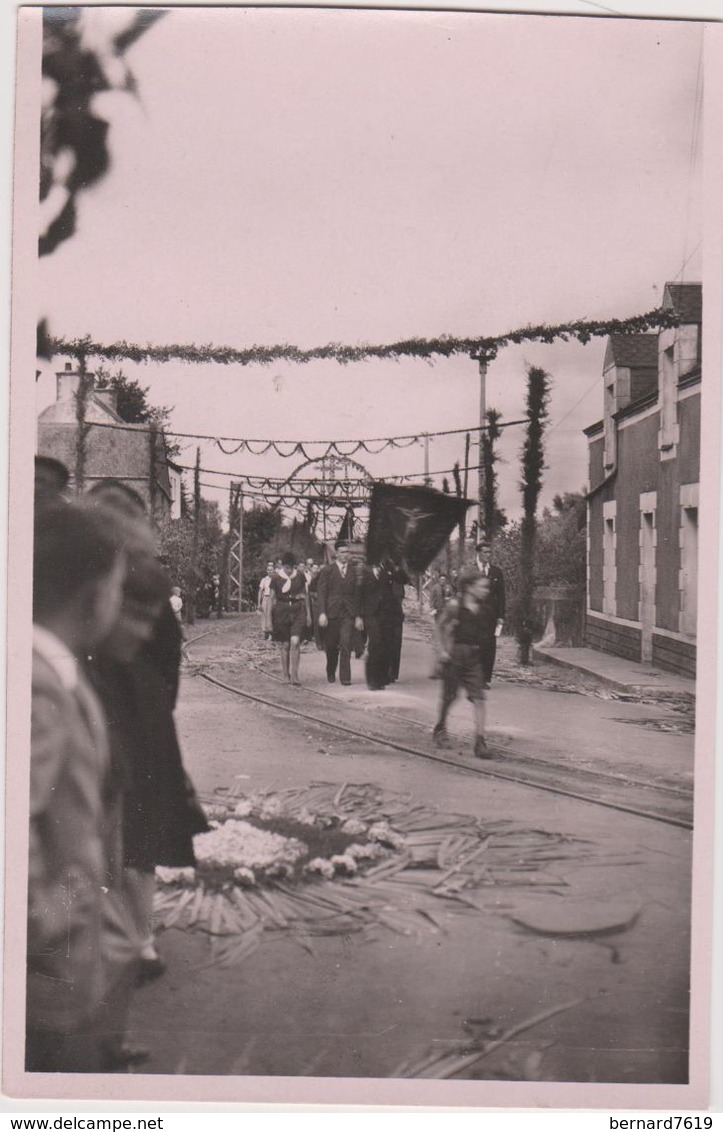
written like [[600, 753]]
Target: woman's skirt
[[289, 620]]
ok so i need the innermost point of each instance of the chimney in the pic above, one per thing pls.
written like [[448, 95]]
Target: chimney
[[108, 397], [66, 383]]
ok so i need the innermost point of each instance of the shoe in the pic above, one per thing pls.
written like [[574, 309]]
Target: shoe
[[330, 679], [123, 1056], [440, 737], [345, 683], [149, 970], [481, 750], [376, 687]]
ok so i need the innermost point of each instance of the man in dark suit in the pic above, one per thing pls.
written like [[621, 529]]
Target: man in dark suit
[[376, 600], [488, 645], [338, 599], [395, 620]]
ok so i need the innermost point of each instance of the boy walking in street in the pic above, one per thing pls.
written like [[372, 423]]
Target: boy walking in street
[[462, 624]]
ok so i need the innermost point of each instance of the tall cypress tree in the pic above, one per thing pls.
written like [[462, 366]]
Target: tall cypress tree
[[533, 465], [491, 514]]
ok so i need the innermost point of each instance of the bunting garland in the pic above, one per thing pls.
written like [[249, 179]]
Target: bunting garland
[[272, 483], [343, 448]]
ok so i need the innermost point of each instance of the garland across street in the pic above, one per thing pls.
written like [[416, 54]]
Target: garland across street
[[446, 346]]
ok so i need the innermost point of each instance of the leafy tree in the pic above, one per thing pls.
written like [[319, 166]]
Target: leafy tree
[[132, 401], [562, 543], [176, 539], [133, 405]]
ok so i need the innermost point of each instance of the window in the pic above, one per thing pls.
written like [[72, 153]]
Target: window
[[689, 571], [609, 564]]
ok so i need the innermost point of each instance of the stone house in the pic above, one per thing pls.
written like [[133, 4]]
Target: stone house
[[644, 461], [135, 454]]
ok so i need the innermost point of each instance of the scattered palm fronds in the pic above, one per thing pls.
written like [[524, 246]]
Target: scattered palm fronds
[[429, 865], [464, 1055]]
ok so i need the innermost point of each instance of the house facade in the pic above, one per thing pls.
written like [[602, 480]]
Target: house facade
[[135, 454], [644, 469]]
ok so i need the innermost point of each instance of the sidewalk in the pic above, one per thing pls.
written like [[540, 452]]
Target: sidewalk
[[615, 671]]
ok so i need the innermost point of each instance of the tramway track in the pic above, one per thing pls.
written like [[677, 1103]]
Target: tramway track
[[597, 776], [662, 804]]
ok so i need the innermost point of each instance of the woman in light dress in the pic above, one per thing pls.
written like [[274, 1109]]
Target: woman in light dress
[[265, 600]]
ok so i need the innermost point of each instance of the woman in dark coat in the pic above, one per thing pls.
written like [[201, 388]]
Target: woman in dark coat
[[290, 615], [159, 810]]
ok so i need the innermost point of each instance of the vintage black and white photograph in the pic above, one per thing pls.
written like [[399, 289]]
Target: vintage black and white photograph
[[370, 435]]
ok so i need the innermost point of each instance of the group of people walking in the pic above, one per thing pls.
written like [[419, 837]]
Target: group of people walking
[[349, 606], [109, 797], [344, 606]]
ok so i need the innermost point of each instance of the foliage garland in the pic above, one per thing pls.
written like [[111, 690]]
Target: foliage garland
[[533, 465], [445, 346]]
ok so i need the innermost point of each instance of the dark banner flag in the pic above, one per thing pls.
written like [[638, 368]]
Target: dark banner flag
[[410, 525]]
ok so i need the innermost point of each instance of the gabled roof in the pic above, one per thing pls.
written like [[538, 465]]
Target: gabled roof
[[686, 299], [632, 350]]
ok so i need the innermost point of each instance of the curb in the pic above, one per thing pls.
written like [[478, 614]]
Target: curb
[[609, 681]]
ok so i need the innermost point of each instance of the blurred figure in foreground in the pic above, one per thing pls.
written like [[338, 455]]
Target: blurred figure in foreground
[[463, 624], [136, 674], [79, 935], [51, 481]]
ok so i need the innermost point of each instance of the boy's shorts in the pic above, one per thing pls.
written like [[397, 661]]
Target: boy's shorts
[[464, 670]]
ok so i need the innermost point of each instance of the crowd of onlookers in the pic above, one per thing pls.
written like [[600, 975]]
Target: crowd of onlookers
[[109, 797]]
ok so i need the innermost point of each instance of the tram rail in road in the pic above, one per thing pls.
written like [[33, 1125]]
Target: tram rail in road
[[660, 803]]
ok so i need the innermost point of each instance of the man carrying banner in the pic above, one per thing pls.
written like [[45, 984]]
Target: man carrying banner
[[408, 526]]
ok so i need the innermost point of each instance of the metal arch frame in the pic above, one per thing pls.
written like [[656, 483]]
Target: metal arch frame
[[345, 461], [347, 498]]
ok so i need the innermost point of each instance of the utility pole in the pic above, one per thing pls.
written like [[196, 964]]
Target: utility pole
[[240, 550], [482, 361], [196, 538], [465, 487]]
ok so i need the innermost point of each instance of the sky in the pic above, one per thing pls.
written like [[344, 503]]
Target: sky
[[315, 176]]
